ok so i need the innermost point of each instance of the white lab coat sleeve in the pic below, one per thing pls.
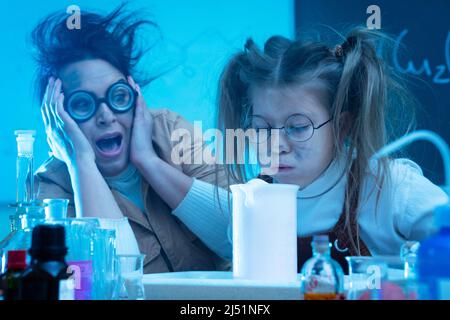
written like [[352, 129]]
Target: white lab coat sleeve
[[420, 196]]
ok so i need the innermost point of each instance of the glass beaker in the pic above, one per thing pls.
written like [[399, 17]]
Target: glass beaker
[[104, 260], [380, 278], [124, 244], [366, 275], [265, 231], [129, 271], [79, 240]]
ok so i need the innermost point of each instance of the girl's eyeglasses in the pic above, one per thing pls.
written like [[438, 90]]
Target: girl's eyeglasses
[[297, 127]]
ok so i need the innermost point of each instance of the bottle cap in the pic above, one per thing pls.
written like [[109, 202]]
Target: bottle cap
[[442, 216], [17, 259], [48, 240], [321, 238], [321, 243]]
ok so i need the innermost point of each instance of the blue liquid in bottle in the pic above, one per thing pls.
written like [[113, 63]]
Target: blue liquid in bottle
[[433, 263]]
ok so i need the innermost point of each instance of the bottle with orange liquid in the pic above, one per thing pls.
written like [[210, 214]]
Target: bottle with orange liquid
[[323, 276]]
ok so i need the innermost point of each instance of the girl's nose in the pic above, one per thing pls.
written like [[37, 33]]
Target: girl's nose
[[284, 145], [105, 115]]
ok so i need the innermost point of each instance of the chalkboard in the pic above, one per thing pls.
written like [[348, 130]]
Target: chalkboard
[[423, 27]]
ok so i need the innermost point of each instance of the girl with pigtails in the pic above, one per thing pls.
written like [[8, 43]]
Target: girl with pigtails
[[333, 108]]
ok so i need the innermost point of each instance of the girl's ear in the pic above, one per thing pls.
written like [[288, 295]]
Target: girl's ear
[[345, 122]]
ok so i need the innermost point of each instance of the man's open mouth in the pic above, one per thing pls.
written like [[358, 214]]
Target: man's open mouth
[[110, 145]]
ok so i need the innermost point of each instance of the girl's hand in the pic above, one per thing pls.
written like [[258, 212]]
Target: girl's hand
[[141, 147], [64, 136]]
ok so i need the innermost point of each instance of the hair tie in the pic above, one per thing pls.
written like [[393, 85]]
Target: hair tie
[[339, 51], [342, 49]]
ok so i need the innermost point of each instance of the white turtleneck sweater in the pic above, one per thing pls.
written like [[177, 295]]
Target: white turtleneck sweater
[[404, 212]]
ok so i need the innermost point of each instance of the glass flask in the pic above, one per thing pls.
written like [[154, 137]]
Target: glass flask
[[323, 277]]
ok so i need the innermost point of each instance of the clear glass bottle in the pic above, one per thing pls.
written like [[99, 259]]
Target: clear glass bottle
[[28, 211], [26, 218], [323, 278], [408, 254]]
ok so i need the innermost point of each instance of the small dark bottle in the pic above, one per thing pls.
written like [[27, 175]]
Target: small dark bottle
[[11, 278], [47, 277]]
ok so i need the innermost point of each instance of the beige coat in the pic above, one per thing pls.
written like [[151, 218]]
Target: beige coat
[[167, 243]]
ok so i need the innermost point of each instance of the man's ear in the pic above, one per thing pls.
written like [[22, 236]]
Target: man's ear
[[345, 122]]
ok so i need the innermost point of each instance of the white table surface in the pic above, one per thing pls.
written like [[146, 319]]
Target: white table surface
[[215, 285], [220, 285]]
